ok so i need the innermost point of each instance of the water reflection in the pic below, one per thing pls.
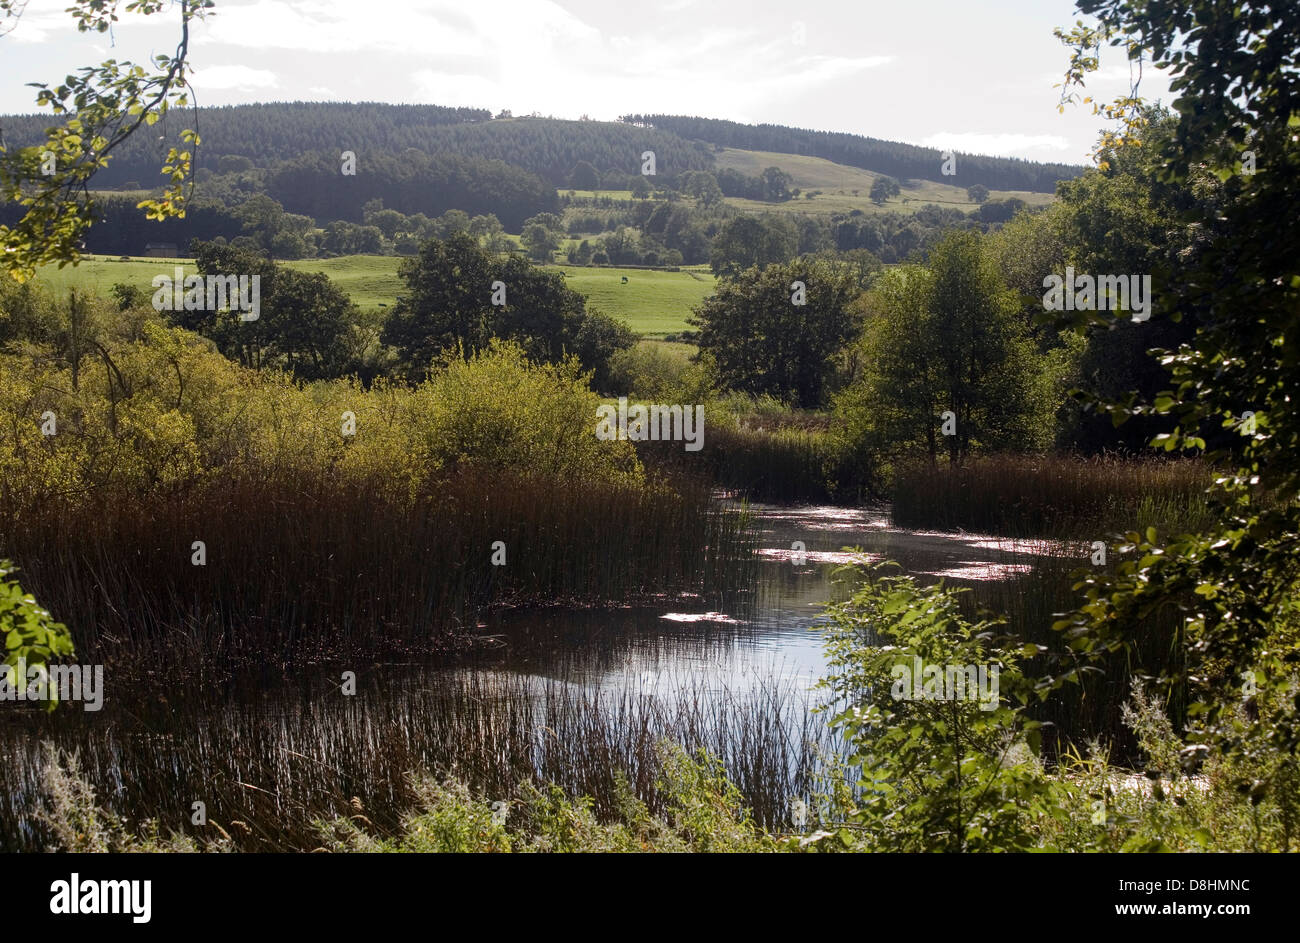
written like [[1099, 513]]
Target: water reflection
[[557, 694]]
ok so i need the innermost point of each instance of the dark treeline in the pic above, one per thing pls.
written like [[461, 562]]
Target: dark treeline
[[301, 220], [731, 241], [272, 133], [122, 229], [419, 183], [264, 133], [888, 157], [276, 132], [234, 202]]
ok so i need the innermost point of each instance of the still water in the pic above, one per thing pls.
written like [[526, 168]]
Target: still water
[[558, 695]]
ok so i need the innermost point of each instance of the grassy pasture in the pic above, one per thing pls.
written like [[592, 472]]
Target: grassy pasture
[[98, 273], [653, 302], [837, 183], [370, 280], [619, 196]]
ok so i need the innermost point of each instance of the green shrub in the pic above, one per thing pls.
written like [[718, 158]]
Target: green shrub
[[649, 371], [953, 774], [704, 814], [495, 410], [31, 636]]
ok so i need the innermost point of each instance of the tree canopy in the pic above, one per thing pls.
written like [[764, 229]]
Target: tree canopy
[[460, 297], [1235, 72], [773, 330]]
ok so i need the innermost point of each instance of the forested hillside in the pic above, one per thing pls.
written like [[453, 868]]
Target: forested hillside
[[304, 179], [417, 182], [273, 133], [264, 133], [887, 157]]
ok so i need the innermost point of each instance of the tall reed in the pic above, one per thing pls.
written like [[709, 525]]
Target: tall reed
[[1028, 496], [274, 765], [781, 464], [300, 566]]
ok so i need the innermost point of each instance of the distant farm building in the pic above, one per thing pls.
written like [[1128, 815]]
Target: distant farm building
[[161, 250]]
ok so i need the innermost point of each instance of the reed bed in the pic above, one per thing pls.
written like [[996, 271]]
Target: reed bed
[[787, 464], [1029, 583], [303, 567], [1032, 601], [266, 770], [1028, 496]]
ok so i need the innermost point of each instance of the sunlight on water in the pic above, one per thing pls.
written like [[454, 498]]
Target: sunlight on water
[[553, 692]]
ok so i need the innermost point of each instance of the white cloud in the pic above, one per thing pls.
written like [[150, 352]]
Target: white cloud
[[46, 21], [37, 22], [233, 76], [456, 90], [516, 53], [419, 27], [1000, 145]]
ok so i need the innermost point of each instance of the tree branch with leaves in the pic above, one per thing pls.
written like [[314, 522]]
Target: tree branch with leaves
[[100, 107]]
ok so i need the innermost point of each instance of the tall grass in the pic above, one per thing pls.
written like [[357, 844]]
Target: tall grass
[[303, 566], [1028, 496], [274, 766], [1031, 601], [698, 808], [772, 465], [759, 448]]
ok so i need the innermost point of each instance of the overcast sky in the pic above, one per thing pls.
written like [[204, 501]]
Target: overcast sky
[[976, 76]]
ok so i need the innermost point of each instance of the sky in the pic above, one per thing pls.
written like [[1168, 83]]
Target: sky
[[971, 76]]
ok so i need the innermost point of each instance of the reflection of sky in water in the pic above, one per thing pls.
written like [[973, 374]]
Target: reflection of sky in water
[[686, 643], [531, 694]]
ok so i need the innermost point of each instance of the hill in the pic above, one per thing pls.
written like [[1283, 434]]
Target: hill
[[271, 134], [844, 189], [887, 157], [275, 176]]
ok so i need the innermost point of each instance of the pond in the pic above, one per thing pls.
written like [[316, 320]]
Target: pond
[[561, 695]]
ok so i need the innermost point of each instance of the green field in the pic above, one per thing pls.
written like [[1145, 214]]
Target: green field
[[837, 183], [370, 280], [98, 273], [618, 196], [654, 303]]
